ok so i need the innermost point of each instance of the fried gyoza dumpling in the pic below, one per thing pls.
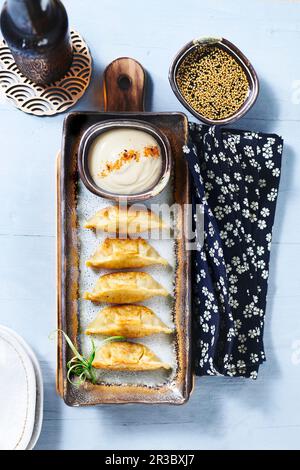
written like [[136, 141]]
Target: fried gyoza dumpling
[[127, 356], [115, 253], [133, 321], [125, 288], [114, 219]]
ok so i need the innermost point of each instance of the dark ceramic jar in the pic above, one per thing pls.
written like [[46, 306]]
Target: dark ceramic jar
[[37, 33]]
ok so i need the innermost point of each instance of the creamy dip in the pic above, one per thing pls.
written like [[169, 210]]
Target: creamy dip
[[125, 161]]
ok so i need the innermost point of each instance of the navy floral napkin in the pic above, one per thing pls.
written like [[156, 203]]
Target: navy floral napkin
[[235, 179]]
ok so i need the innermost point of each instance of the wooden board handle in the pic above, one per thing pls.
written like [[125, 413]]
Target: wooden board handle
[[124, 85]]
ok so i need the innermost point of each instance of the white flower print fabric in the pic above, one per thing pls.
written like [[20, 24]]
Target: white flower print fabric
[[235, 177]]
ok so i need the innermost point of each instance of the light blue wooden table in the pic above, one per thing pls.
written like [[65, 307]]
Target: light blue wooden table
[[222, 413]]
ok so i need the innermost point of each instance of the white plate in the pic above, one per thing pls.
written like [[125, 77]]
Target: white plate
[[39, 388], [17, 394]]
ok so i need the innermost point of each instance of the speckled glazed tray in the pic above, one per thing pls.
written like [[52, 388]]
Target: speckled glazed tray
[[124, 81], [176, 387]]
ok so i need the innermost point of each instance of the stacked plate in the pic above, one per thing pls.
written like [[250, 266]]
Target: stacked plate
[[21, 393]]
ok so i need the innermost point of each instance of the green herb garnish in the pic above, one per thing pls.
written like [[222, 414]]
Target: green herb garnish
[[81, 367]]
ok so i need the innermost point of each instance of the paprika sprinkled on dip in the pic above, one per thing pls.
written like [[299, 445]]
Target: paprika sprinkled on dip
[[125, 161]]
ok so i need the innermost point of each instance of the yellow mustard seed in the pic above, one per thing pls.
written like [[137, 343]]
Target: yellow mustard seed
[[212, 82]]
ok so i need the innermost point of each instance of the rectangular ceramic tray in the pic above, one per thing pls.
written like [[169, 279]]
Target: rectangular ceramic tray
[[178, 388]]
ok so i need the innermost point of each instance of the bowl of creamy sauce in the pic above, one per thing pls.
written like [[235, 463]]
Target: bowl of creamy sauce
[[124, 160]]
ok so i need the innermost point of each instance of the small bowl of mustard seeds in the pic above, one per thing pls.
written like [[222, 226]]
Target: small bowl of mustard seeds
[[214, 80]]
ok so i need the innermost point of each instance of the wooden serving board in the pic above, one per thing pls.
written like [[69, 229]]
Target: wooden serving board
[[175, 127]]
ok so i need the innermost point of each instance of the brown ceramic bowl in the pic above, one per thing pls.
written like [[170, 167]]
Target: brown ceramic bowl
[[94, 131], [241, 60]]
